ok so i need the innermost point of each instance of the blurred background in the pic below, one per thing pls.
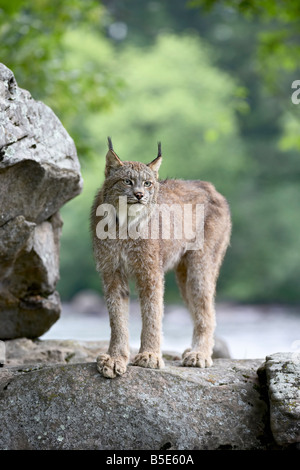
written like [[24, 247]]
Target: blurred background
[[213, 81]]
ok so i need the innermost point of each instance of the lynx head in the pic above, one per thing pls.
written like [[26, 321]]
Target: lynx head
[[135, 180]]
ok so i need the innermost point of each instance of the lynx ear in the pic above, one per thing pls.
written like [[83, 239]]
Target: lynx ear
[[112, 160], [155, 164]]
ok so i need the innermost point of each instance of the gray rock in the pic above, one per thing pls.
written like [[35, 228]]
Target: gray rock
[[50, 390], [87, 302], [36, 270], [15, 236], [39, 168], [282, 376], [29, 258], [35, 267], [73, 407], [2, 353], [31, 316], [220, 349], [39, 172], [22, 351]]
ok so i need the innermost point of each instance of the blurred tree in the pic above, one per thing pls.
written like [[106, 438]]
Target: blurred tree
[[266, 243], [34, 44], [174, 93], [276, 46], [249, 44], [83, 58], [279, 45]]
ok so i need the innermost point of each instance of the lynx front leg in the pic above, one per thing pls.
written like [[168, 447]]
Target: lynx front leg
[[200, 289], [117, 298], [151, 300]]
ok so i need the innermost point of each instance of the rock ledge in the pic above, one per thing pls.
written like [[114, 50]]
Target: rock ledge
[[70, 406]]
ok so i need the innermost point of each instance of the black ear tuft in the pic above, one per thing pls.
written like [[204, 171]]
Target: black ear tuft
[[112, 160], [159, 149], [155, 164], [110, 145]]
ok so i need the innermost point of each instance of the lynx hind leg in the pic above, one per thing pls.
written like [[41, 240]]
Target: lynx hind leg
[[192, 358], [196, 359], [149, 359], [196, 278]]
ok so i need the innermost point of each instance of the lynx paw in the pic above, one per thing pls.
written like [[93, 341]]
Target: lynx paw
[[148, 359], [110, 366], [196, 359]]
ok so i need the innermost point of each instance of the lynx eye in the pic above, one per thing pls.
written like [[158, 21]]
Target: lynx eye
[[147, 184], [127, 181]]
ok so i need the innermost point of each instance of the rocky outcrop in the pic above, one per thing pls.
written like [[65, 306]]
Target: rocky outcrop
[[73, 407], [57, 404], [24, 351], [2, 353], [68, 351], [281, 375], [39, 172]]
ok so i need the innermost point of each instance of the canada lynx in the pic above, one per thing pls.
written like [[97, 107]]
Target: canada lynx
[[120, 257]]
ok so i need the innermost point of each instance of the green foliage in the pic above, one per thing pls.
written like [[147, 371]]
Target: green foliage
[[278, 41], [31, 35], [176, 95], [36, 43], [290, 139], [211, 80], [77, 265]]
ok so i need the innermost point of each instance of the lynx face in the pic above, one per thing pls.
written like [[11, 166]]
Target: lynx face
[[135, 181]]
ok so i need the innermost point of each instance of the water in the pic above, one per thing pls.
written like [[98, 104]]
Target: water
[[250, 331]]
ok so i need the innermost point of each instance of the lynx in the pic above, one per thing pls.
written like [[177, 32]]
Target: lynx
[[145, 259]]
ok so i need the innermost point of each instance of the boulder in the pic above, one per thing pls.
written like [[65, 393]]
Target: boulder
[[53, 397], [281, 374], [2, 353], [39, 168], [39, 172], [24, 351], [87, 302], [31, 316], [73, 407]]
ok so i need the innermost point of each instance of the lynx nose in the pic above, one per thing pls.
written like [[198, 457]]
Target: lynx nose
[[139, 195]]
